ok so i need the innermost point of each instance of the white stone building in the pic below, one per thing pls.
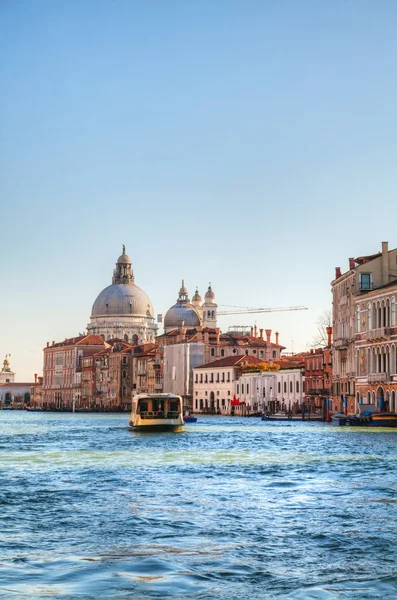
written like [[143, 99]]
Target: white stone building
[[213, 384], [123, 310], [271, 390]]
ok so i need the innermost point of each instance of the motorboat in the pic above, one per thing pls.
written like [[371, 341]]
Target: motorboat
[[156, 411], [189, 418], [350, 420]]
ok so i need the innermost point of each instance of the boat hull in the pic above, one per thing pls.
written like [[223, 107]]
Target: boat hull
[[158, 424], [384, 420]]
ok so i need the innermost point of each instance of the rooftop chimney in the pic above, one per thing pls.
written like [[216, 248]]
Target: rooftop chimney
[[352, 263], [255, 331], [252, 331], [277, 334], [261, 334], [329, 335], [338, 272], [48, 344], [385, 263], [53, 342], [268, 334]]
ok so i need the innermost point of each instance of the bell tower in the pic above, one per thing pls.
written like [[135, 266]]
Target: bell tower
[[209, 309]]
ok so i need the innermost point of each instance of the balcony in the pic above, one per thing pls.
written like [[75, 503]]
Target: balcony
[[381, 333], [318, 392], [378, 377], [341, 343], [158, 387]]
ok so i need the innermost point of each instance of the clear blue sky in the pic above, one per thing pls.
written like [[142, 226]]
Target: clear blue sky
[[251, 144]]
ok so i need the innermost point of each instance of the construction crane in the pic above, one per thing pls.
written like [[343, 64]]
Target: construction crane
[[246, 309]]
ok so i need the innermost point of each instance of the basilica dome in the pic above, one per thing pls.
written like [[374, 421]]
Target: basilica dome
[[123, 310], [182, 312], [122, 299]]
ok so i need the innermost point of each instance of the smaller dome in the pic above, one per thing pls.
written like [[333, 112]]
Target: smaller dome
[[197, 299], [179, 314], [209, 295], [124, 259]]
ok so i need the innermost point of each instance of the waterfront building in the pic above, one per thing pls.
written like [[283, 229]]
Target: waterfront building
[[123, 310], [12, 394], [279, 388], [365, 273], [6, 374], [318, 373], [213, 383], [15, 394], [62, 369], [36, 392], [376, 348], [177, 360]]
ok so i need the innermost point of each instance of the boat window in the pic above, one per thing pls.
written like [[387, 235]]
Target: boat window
[[174, 405], [143, 406]]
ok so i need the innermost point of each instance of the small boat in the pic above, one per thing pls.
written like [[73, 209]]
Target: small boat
[[350, 420], [156, 411], [189, 419], [383, 419]]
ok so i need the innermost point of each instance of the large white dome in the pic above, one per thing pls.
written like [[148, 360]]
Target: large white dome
[[122, 299], [123, 310]]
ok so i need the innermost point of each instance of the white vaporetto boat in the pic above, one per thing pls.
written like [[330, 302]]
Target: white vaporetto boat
[[152, 411]]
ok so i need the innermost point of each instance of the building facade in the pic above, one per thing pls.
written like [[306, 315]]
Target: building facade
[[365, 273], [62, 369], [213, 384], [376, 349]]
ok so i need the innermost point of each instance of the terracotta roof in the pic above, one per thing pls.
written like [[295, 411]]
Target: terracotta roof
[[81, 340], [232, 361]]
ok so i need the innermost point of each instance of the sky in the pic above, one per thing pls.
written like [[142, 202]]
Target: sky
[[250, 144]]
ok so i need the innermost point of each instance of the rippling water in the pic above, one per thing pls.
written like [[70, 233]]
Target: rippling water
[[228, 508]]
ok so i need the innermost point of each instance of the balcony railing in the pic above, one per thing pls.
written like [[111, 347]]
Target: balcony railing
[[341, 343], [318, 392], [381, 333], [378, 377]]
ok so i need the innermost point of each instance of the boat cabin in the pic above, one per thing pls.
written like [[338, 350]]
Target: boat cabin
[[158, 407]]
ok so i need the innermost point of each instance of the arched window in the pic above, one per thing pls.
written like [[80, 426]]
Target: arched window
[[297, 387], [135, 340], [285, 387], [124, 373], [212, 351], [393, 312], [369, 316], [290, 387], [124, 390], [279, 387], [222, 353], [126, 338], [369, 398]]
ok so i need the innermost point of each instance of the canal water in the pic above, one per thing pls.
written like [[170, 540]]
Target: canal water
[[228, 508]]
